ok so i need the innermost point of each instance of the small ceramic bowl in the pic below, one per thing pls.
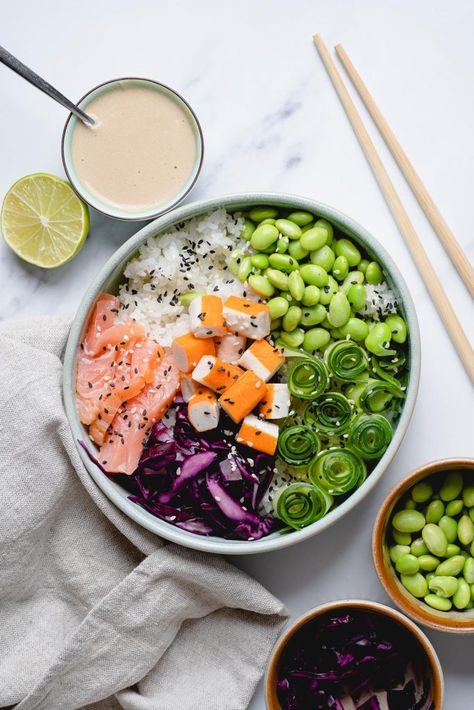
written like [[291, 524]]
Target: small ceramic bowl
[[92, 199], [458, 622], [434, 666]]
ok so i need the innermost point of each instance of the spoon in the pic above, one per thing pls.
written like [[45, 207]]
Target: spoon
[[19, 68]]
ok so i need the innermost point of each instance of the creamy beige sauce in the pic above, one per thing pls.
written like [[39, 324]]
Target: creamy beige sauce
[[141, 151]]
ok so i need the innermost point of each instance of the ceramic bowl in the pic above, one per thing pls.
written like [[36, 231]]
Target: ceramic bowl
[[437, 684], [458, 622], [92, 199], [109, 278]]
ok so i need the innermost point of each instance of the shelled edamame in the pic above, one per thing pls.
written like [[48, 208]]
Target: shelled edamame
[[431, 541]]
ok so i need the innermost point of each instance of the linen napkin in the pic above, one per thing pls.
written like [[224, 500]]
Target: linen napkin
[[94, 610]]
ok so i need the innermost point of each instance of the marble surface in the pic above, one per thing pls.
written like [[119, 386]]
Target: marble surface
[[271, 121]]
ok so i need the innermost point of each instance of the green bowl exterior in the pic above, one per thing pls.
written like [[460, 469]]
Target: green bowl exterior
[[93, 200], [108, 279]]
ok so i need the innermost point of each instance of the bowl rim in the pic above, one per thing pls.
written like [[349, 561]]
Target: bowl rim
[[100, 206], [422, 613], [271, 701], [236, 202]]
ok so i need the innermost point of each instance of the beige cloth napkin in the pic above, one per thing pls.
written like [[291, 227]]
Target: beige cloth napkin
[[94, 610]]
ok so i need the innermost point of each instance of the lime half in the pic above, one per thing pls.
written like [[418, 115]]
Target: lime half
[[43, 220]]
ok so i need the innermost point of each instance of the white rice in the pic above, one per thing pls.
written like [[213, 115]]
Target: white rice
[[190, 257], [380, 301], [282, 478]]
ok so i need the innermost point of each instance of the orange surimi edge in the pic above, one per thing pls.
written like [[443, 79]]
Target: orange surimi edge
[[245, 306], [246, 392], [203, 410], [205, 316], [261, 357], [216, 374], [259, 435], [188, 350], [276, 403]]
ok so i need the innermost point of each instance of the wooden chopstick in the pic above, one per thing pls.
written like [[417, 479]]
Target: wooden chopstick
[[432, 282], [449, 241]]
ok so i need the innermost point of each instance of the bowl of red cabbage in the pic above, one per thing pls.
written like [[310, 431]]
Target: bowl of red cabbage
[[242, 371], [356, 655]]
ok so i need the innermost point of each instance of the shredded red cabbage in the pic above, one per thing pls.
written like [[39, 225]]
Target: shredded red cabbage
[[204, 483], [352, 655]]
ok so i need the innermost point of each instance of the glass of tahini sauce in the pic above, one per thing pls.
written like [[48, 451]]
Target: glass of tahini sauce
[[143, 154]]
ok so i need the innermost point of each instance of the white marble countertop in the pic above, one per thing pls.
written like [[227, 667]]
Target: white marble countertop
[[272, 121]]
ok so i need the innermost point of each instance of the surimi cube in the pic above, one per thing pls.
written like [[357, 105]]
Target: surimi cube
[[276, 403], [188, 387], [187, 350], [205, 317], [203, 410], [230, 347], [247, 317], [216, 374], [241, 397], [262, 358], [258, 434]]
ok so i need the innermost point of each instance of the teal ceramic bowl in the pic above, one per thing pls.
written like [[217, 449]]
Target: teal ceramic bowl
[[109, 278], [112, 210]]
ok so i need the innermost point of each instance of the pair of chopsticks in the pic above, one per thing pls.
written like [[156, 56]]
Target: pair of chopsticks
[[459, 259]]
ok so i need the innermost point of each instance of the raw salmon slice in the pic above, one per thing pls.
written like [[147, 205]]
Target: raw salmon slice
[[102, 318], [125, 439]]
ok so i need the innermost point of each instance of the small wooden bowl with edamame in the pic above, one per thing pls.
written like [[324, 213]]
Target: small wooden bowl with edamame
[[424, 550]]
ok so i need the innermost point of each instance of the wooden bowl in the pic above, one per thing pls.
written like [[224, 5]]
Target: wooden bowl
[[437, 684], [458, 622]]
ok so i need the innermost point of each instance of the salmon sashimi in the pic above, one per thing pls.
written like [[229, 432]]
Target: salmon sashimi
[[125, 439], [102, 318]]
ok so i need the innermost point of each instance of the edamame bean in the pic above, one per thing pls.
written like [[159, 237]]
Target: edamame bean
[[465, 530], [324, 224], [269, 220], [328, 291], [248, 230], [434, 539], [357, 296], [296, 285], [418, 547], [468, 496], [344, 247], [261, 285], [277, 278], [282, 244], [288, 228], [452, 566], [407, 564], [355, 328], [408, 521], [398, 327], [275, 326], [353, 278], [301, 218], [313, 274], [363, 264], [410, 504], [454, 507], [311, 295], [373, 273], [415, 584], [186, 298], [378, 340], [468, 570], [340, 268], [313, 315], [401, 538], [284, 262], [292, 318], [451, 487], [471, 514], [293, 339], [429, 576], [450, 527], [314, 238], [235, 260], [260, 261], [421, 492], [462, 595], [323, 257], [264, 236], [245, 267], [437, 602], [444, 586], [435, 511], [397, 551], [258, 214], [315, 339], [452, 550], [277, 306], [296, 250], [339, 310], [428, 563]]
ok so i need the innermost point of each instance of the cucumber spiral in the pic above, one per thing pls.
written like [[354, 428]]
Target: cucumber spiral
[[346, 360], [338, 471], [308, 378], [298, 444], [301, 504], [370, 435], [331, 413]]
